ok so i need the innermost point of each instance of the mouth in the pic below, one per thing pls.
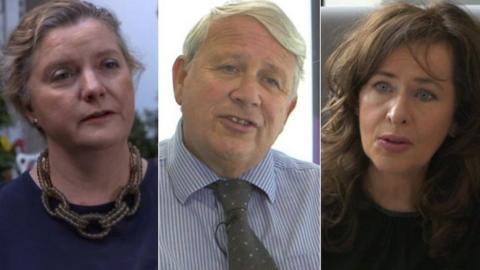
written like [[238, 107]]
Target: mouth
[[394, 144], [241, 121], [238, 125], [97, 115], [395, 139]]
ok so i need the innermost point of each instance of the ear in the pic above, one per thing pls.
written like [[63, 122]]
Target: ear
[[291, 106], [179, 72], [29, 112]]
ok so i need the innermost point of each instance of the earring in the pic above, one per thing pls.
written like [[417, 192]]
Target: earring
[[35, 122]]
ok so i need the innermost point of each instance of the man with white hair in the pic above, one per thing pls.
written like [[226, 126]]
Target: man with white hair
[[227, 201]]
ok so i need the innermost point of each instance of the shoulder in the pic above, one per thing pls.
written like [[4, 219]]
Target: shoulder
[[17, 186], [152, 168], [473, 237], [163, 151], [294, 174], [283, 162], [17, 195], [150, 180]]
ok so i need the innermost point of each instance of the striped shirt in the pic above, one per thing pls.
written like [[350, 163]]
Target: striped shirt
[[283, 211]]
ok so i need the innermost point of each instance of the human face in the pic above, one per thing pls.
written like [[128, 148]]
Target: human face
[[406, 112], [236, 95], [81, 87]]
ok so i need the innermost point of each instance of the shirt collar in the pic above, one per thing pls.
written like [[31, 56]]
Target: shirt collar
[[188, 174]]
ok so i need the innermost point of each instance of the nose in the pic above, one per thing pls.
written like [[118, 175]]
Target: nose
[[91, 88], [399, 111], [248, 91]]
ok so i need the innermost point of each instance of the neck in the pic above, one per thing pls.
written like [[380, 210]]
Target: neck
[[88, 177], [229, 170], [394, 191], [224, 165]]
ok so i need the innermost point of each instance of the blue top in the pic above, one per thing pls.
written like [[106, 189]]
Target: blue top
[[283, 211], [32, 239]]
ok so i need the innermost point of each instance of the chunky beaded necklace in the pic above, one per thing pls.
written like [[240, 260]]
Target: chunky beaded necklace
[[91, 225]]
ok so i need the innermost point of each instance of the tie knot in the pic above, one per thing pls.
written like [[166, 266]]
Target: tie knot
[[232, 194]]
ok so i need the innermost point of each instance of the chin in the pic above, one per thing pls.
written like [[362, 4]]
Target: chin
[[395, 167], [233, 151], [102, 141]]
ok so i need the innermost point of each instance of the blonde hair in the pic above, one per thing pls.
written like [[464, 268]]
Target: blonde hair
[[16, 61]]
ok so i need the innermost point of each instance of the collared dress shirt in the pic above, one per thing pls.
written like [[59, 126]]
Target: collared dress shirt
[[283, 211]]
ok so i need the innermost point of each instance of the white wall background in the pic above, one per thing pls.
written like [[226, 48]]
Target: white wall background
[[177, 17]]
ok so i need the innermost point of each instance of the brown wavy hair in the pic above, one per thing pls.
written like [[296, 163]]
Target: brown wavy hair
[[448, 193]]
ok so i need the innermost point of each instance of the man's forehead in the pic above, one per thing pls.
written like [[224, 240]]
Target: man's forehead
[[235, 27], [243, 31]]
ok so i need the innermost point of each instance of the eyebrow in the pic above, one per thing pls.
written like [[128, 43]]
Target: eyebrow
[[105, 52], [238, 56], [65, 59], [421, 80], [218, 56], [275, 69], [56, 64]]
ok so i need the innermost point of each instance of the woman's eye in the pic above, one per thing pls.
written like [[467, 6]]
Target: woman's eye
[[425, 95], [61, 75], [382, 87], [111, 64]]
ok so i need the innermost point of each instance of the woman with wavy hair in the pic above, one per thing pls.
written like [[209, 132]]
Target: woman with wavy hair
[[401, 142]]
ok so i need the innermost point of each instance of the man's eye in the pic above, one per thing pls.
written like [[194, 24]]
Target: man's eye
[[228, 69], [272, 82], [425, 95], [382, 87]]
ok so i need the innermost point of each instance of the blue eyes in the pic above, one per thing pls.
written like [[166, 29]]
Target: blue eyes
[[421, 94], [425, 95], [382, 87]]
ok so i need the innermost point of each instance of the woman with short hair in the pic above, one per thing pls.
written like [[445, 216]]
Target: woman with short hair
[[91, 200]]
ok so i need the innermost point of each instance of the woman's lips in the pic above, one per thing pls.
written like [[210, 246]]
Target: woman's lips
[[394, 143], [97, 116]]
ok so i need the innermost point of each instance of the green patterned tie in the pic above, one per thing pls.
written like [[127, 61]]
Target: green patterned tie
[[245, 251]]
